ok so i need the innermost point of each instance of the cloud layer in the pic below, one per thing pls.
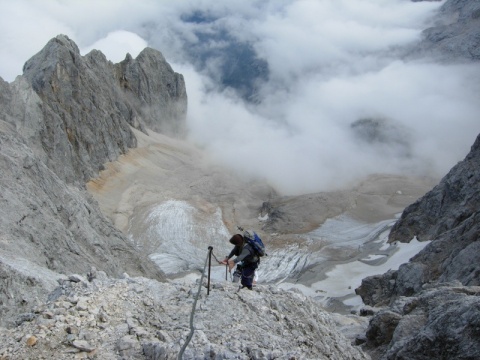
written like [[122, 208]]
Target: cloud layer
[[337, 104]]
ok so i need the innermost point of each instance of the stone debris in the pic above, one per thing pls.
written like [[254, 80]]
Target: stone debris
[[140, 318], [32, 340]]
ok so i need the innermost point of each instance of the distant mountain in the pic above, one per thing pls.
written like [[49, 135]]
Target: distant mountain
[[454, 37]]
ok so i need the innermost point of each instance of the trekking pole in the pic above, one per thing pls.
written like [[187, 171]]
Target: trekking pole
[[226, 271], [209, 268]]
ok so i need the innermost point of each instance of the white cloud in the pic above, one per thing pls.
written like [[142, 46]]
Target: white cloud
[[117, 43], [331, 63]]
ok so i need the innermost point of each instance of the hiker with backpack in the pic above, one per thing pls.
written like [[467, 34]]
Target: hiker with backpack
[[247, 251]]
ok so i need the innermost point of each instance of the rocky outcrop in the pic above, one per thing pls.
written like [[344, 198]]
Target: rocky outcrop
[[88, 105], [60, 122], [139, 318], [452, 202], [439, 322], [156, 90]]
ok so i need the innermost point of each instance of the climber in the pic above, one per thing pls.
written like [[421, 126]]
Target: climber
[[246, 260]]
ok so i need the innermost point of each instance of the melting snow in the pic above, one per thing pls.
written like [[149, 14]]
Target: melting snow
[[183, 233], [342, 279]]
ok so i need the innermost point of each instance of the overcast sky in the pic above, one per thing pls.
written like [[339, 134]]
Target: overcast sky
[[331, 63]]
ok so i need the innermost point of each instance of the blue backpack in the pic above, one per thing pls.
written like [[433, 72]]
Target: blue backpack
[[255, 242]]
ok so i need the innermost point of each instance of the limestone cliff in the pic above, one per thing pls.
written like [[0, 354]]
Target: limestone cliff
[[88, 104], [60, 122]]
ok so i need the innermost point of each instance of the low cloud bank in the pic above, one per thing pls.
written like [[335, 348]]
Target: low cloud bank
[[335, 101]]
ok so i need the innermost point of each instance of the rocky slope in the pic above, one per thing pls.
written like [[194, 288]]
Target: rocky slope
[[59, 123], [139, 318]]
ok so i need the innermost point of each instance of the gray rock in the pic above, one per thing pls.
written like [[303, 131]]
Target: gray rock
[[71, 88], [157, 91], [126, 343], [76, 278], [437, 314], [446, 325], [155, 351], [381, 328], [88, 105], [455, 33], [83, 345], [378, 289], [410, 278], [453, 201]]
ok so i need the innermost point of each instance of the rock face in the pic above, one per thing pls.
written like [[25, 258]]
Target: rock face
[[88, 105], [453, 201], [455, 33], [449, 215], [433, 298], [439, 322], [156, 90], [52, 224], [60, 122]]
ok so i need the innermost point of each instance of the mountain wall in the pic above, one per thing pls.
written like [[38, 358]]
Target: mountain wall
[[60, 122], [429, 307], [87, 105]]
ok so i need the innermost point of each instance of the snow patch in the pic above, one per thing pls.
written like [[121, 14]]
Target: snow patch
[[183, 234], [342, 279]]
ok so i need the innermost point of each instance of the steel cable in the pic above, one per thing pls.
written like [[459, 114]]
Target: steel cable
[[192, 329]]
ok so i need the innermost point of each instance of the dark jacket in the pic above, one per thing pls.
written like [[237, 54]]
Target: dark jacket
[[243, 253]]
